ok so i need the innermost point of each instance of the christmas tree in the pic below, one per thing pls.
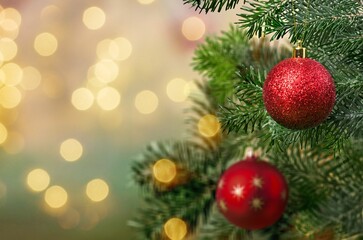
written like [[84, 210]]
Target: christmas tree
[[301, 119]]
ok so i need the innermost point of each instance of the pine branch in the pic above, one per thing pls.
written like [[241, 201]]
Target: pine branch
[[246, 113], [301, 19], [320, 183], [217, 60], [199, 188], [212, 5], [262, 17]]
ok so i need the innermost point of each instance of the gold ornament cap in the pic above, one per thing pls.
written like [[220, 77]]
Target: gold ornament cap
[[299, 51]]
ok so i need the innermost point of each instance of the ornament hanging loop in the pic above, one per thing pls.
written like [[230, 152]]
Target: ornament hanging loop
[[299, 51]]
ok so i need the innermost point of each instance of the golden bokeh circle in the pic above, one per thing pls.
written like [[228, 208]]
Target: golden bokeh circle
[[71, 150], [175, 229], [94, 18], [164, 170], [193, 28], [97, 190], [38, 179], [56, 196], [208, 125]]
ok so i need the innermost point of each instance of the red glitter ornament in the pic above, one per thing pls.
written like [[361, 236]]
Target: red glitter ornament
[[252, 194], [299, 93]]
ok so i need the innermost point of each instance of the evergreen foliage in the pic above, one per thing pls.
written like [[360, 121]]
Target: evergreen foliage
[[323, 165]]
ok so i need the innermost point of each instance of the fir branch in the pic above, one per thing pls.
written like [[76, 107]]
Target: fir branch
[[261, 17], [164, 204], [217, 59], [246, 112], [323, 187], [212, 5], [302, 20]]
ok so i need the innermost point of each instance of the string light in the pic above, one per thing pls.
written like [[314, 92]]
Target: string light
[[71, 150], [38, 179], [175, 229], [164, 170], [97, 190], [193, 28], [94, 18], [56, 196], [146, 102], [208, 125]]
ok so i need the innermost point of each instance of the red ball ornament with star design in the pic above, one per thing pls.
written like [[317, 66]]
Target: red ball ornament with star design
[[299, 92], [252, 194]]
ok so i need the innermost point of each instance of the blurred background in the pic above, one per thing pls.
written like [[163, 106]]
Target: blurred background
[[84, 86]]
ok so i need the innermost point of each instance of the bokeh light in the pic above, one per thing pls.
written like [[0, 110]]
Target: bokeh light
[[190, 88], [3, 133], [45, 44], [13, 74], [38, 179], [90, 219], [56, 196], [31, 78], [208, 125], [49, 11], [94, 18], [8, 49], [116, 49], [70, 219], [106, 70], [12, 13], [124, 49], [97, 190], [193, 28], [164, 170], [175, 229], [108, 98], [106, 48], [10, 97], [71, 150], [146, 102], [176, 90], [10, 28], [145, 2], [82, 99]]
